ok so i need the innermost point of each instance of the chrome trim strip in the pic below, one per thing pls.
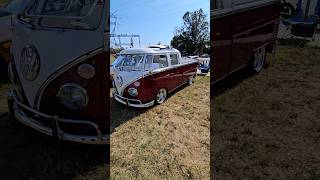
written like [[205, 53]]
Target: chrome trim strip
[[255, 28]]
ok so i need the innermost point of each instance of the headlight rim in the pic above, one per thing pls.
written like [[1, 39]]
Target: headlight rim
[[83, 90], [134, 89]]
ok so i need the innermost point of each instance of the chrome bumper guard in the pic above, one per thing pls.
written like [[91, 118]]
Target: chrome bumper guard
[[126, 101], [55, 131]]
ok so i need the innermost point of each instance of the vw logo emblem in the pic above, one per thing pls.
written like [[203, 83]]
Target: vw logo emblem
[[30, 63]]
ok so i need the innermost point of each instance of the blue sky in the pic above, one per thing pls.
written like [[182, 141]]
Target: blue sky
[[153, 20]]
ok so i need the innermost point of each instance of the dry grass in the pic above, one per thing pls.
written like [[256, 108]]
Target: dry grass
[[170, 141], [267, 127]]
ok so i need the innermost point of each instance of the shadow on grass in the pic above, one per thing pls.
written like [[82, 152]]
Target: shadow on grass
[[27, 154], [121, 114], [230, 81]]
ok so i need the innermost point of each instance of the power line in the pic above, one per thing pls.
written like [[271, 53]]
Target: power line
[[120, 40]]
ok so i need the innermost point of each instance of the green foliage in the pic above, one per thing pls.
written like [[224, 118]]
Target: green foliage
[[193, 36]]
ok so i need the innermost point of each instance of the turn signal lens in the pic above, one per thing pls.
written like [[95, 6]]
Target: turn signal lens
[[136, 84], [86, 71]]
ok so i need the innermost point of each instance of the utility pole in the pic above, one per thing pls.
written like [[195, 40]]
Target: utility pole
[[119, 40]]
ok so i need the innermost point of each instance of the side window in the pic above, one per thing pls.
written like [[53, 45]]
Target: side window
[[241, 2], [174, 59], [161, 60], [223, 4]]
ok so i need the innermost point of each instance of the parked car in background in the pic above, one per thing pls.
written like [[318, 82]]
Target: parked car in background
[[242, 32], [145, 76]]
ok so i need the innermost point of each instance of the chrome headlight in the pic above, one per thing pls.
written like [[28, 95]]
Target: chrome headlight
[[133, 92], [73, 96]]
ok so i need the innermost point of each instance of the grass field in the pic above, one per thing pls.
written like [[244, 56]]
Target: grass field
[[170, 141], [267, 126]]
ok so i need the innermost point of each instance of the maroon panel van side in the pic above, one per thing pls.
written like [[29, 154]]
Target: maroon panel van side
[[242, 32]]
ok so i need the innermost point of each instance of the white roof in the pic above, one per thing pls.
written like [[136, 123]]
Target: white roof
[[152, 50]]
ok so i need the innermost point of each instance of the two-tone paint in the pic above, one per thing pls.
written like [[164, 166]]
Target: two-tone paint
[[148, 82], [47, 52], [239, 30]]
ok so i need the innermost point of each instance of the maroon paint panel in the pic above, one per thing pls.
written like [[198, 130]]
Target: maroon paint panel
[[169, 80], [221, 37], [251, 30], [235, 37], [98, 91]]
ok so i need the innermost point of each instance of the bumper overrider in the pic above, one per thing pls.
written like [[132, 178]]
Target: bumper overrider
[[131, 102], [18, 109]]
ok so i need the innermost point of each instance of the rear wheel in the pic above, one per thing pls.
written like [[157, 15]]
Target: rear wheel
[[258, 60], [161, 96]]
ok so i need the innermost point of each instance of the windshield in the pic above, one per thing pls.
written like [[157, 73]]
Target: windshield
[[129, 62], [75, 8], [69, 14], [16, 6]]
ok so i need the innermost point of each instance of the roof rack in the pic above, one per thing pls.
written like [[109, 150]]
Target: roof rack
[[160, 47]]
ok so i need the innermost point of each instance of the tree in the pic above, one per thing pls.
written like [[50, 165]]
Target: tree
[[193, 36]]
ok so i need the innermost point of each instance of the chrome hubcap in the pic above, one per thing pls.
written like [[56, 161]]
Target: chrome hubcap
[[161, 96], [190, 80], [259, 58]]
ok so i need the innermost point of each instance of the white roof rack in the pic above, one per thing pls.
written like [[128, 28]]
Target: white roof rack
[[160, 47]]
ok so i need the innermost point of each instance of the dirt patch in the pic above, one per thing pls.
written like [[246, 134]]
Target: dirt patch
[[267, 126], [166, 141]]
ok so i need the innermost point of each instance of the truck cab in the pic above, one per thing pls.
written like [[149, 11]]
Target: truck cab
[[143, 77]]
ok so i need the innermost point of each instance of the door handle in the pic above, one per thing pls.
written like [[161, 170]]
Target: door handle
[[218, 34]]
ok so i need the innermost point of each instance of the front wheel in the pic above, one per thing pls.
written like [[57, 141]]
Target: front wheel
[[161, 96]]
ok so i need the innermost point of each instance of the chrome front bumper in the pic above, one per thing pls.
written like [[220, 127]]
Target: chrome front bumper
[[127, 101], [55, 130]]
